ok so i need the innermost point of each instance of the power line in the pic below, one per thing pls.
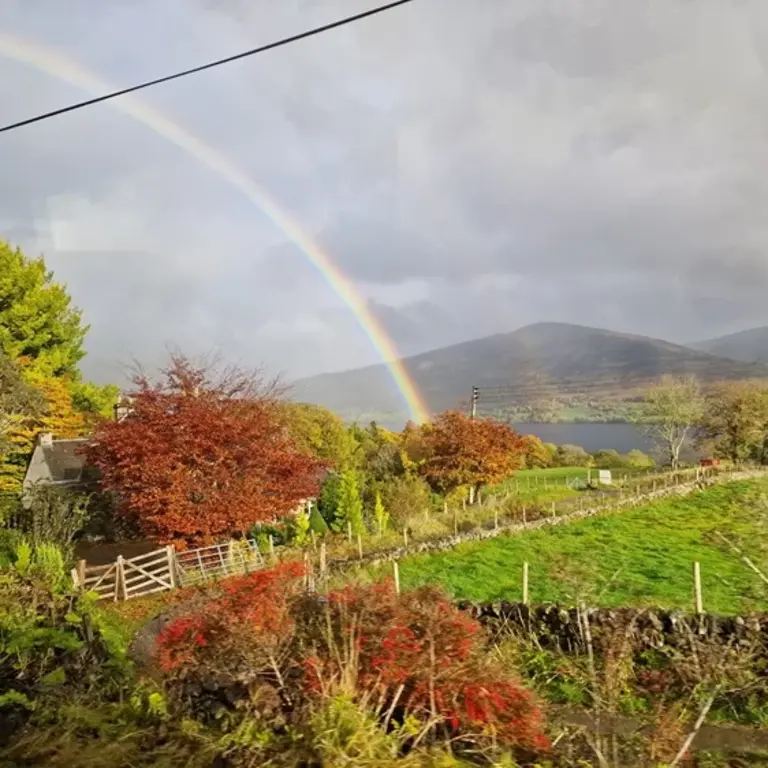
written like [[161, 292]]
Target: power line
[[210, 65]]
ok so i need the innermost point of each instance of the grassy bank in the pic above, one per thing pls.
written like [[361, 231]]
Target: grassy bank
[[640, 557]]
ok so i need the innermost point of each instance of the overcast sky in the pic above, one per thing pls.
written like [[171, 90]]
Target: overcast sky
[[472, 165]]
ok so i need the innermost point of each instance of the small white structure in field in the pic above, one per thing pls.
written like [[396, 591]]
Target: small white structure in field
[[604, 477]]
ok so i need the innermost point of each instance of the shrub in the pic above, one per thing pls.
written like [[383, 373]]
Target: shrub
[[51, 515], [608, 458], [239, 633], [406, 497], [639, 460], [280, 656], [571, 456], [422, 657]]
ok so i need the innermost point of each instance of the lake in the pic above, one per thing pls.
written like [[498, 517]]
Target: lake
[[590, 436]]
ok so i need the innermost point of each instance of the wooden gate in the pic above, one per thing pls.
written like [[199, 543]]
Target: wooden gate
[[165, 569]]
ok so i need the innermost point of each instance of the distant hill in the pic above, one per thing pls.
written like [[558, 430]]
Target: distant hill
[[747, 346], [537, 361]]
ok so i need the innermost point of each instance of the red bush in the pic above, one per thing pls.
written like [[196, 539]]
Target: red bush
[[415, 653], [249, 618], [427, 657]]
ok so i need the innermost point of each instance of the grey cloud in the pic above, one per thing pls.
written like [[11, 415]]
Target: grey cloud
[[597, 161]]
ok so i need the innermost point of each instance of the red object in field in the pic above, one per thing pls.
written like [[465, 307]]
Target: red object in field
[[709, 462]]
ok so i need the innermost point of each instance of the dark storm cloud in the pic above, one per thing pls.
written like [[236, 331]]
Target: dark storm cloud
[[471, 166]]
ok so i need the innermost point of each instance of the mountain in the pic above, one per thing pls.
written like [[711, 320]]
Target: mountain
[[747, 346], [541, 360]]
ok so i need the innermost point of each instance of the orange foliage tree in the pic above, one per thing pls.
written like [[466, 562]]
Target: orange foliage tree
[[474, 452], [202, 455]]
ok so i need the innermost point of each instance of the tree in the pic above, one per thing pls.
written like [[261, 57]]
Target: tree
[[405, 497], [42, 335], [349, 512], [379, 452], [671, 410], [37, 320], [56, 415], [380, 515], [608, 458], [639, 460], [735, 422], [203, 454], [18, 400], [568, 455], [320, 433], [473, 452], [536, 453]]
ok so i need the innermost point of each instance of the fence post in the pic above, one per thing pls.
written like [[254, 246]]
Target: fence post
[[119, 578], [360, 546], [172, 565], [405, 536], [81, 566], [697, 589], [496, 519], [349, 531], [525, 582], [272, 546], [322, 560], [455, 522], [553, 509], [396, 574], [306, 568], [524, 520]]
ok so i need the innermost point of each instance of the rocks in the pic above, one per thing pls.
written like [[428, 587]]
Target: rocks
[[560, 628]]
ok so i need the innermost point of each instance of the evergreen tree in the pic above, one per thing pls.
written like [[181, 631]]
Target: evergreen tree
[[349, 511], [38, 323], [316, 522]]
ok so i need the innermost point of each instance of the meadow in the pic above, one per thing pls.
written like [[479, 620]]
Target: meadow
[[641, 557]]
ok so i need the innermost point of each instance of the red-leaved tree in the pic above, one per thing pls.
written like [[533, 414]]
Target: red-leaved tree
[[202, 454], [474, 452]]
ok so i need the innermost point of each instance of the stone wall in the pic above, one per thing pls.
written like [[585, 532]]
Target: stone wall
[[563, 629]]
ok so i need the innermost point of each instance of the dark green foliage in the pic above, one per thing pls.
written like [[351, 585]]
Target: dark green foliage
[[317, 523], [328, 502], [51, 515]]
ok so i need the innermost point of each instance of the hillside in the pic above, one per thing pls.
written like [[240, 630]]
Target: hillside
[[538, 361], [747, 346]]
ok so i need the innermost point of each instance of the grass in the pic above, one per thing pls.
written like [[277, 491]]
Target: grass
[[641, 557]]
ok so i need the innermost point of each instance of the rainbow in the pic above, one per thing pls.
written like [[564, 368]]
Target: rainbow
[[62, 68]]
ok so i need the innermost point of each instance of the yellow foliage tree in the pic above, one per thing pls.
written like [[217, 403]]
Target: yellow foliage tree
[[57, 416]]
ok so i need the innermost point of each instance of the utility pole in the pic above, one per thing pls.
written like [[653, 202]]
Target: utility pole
[[473, 410]]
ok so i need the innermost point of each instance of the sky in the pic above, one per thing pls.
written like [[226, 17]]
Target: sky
[[472, 165]]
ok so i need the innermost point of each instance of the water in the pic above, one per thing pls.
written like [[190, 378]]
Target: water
[[590, 436]]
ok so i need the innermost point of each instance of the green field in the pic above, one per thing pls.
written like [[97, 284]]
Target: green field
[[640, 557]]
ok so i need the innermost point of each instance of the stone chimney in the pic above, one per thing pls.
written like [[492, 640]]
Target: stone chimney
[[46, 439]]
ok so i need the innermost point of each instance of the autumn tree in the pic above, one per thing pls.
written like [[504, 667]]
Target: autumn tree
[[536, 453], [735, 421], [671, 411], [18, 400], [203, 455], [320, 433], [473, 452], [42, 335]]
